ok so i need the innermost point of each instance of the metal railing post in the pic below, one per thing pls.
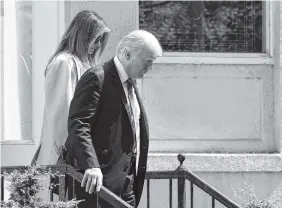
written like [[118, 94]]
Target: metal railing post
[[181, 183]]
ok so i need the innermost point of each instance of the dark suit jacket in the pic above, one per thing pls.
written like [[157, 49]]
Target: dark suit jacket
[[100, 129]]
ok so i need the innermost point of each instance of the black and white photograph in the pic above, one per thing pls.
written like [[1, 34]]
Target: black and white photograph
[[141, 104]]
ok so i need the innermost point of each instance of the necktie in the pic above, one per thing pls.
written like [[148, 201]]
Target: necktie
[[130, 94], [130, 99]]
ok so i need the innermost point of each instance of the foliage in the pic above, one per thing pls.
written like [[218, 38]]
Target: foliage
[[212, 26], [25, 186], [251, 200]]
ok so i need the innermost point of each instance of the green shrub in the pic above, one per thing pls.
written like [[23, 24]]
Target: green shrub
[[24, 187]]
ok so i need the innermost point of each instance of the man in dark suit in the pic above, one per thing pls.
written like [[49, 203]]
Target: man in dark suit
[[108, 129]]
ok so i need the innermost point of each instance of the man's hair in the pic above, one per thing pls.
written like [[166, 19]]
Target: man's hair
[[138, 40]]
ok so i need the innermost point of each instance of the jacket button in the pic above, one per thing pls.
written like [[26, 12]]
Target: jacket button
[[104, 152]]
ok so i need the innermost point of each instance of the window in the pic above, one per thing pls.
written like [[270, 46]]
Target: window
[[205, 26], [1, 69], [17, 70]]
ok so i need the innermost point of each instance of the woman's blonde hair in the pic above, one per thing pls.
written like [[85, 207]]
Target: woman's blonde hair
[[85, 27]]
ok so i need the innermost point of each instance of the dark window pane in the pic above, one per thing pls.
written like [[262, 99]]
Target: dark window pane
[[204, 26]]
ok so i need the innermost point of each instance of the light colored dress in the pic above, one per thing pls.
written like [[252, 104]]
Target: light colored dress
[[62, 75]]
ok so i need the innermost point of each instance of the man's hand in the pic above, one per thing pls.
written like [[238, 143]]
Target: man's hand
[[93, 177]]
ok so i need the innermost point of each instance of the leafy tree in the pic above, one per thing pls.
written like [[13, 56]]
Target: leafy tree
[[212, 26]]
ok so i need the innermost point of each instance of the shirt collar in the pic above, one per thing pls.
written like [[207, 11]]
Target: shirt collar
[[122, 73]]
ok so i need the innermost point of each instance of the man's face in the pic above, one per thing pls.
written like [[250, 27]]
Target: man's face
[[141, 63]]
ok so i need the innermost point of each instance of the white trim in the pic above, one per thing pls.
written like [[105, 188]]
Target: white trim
[[217, 162], [17, 142], [269, 22], [226, 58], [11, 101], [60, 27], [216, 55], [137, 16], [2, 74], [277, 73], [136, 26], [204, 139], [61, 19], [214, 60]]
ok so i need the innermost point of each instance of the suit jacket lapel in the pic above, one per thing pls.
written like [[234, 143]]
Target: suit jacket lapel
[[119, 87], [143, 113]]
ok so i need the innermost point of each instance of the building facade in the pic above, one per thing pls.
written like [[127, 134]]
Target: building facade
[[214, 95]]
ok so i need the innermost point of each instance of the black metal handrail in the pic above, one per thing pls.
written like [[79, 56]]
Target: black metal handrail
[[181, 174], [104, 193]]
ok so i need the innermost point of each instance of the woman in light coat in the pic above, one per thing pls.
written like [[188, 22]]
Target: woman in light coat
[[81, 48]]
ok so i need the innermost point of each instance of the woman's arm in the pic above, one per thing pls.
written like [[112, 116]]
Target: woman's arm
[[60, 82]]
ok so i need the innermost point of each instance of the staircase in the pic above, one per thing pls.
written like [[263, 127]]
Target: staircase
[[181, 174]]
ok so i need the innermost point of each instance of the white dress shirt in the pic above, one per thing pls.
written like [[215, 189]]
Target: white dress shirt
[[135, 106]]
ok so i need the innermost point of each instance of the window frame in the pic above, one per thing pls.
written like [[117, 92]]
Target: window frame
[[2, 74], [4, 141], [226, 58], [59, 28]]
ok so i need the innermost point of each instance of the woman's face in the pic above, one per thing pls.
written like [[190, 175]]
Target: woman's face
[[95, 44], [94, 49]]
